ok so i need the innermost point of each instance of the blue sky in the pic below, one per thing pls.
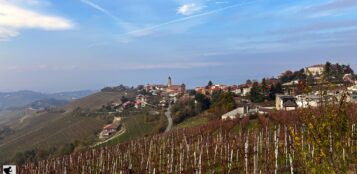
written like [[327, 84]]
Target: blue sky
[[48, 45]]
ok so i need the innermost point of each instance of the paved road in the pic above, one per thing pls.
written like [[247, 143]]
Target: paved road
[[169, 119]]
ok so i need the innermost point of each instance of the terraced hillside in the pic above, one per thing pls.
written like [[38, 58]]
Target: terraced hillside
[[283, 142], [56, 129]]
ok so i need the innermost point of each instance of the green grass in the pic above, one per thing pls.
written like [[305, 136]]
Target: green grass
[[253, 124], [191, 122]]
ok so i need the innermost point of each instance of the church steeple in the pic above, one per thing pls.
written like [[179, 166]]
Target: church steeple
[[169, 84]]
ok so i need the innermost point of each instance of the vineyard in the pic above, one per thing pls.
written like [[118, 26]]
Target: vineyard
[[306, 141]]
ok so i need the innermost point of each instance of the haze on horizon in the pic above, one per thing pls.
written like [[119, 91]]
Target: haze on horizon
[[49, 46]]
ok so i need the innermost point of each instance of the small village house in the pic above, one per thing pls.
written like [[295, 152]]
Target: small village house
[[285, 102], [110, 129], [305, 101], [246, 89], [352, 90]]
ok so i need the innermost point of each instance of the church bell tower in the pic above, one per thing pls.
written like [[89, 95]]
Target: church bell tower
[[169, 84]]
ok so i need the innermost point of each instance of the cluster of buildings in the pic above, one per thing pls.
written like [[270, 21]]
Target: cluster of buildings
[[242, 90], [169, 92], [168, 89], [289, 101], [285, 102], [314, 99]]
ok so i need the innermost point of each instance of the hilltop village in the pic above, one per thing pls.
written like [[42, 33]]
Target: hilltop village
[[305, 88]]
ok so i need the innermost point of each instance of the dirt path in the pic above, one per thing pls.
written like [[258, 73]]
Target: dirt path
[[169, 119], [119, 133]]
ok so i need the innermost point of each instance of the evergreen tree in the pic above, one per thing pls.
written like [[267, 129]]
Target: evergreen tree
[[256, 95], [203, 101], [215, 96], [279, 88], [248, 82], [272, 93], [264, 86], [209, 84]]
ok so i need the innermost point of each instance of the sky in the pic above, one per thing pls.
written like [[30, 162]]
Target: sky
[[52, 46]]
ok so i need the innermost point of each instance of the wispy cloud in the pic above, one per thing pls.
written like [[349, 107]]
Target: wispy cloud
[[32, 2], [178, 65], [124, 24], [148, 30], [100, 8], [189, 9], [318, 27], [14, 18], [107, 67], [336, 5], [6, 33]]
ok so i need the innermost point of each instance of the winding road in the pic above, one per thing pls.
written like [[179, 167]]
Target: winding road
[[169, 119]]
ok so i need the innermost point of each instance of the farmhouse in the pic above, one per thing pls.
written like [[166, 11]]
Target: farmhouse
[[110, 129], [285, 102]]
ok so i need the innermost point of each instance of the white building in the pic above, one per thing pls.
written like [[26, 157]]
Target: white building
[[246, 91], [352, 91], [352, 97], [305, 101], [239, 112], [244, 110], [315, 70], [285, 102], [353, 88], [291, 83], [237, 91]]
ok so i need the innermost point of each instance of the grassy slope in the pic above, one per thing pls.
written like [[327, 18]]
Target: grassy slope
[[52, 129], [8, 118], [95, 101], [137, 127], [192, 122]]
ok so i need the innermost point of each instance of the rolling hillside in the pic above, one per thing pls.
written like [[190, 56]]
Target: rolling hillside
[[277, 143], [95, 101], [58, 127], [26, 97]]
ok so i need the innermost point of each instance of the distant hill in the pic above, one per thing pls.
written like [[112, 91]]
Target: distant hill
[[71, 95], [26, 97], [76, 123], [47, 104]]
